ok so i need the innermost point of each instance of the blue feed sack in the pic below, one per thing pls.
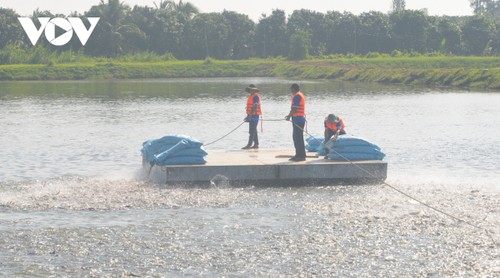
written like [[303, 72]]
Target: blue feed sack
[[196, 151], [313, 143], [312, 148], [183, 160], [321, 150], [154, 151], [183, 144], [173, 151], [344, 143], [170, 140], [152, 147], [315, 140], [349, 141], [157, 146], [353, 148], [376, 155]]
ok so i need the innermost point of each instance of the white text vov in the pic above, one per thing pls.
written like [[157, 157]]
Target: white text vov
[[68, 25]]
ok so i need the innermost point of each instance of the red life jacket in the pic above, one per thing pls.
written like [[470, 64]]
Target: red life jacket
[[301, 109], [333, 126], [250, 104]]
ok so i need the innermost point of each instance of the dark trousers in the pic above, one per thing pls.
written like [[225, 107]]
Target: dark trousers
[[330, 134], [254, 137], [298, 139]]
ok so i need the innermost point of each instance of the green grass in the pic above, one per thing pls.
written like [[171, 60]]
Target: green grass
[[463, 72], [422, 62]]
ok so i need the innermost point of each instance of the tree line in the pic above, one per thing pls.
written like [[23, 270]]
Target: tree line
[[181, 30]]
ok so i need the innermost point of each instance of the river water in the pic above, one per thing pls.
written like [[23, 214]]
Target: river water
[[72, 202]]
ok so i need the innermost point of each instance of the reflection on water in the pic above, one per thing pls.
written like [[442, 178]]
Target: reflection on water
[[70, 204]]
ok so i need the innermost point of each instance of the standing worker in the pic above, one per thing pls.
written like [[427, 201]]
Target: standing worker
[[298, 115], [253, 114]]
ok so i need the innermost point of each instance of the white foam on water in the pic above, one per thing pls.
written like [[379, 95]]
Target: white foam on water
[[77, 193], [350, 230], [466, 199]]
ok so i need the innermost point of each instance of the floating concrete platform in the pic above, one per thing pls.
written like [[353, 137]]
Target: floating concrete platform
[[270, 167]]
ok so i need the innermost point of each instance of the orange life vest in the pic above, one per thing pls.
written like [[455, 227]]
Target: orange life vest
[[301, 109], [250, 104], [333, 126]]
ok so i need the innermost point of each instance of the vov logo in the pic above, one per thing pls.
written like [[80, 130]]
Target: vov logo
[[66, 25]]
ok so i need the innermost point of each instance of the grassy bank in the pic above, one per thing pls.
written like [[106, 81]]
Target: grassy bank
[[463, 72]]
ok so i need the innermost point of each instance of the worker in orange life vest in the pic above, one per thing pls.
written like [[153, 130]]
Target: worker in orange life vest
[[334, 126], [254, 112], [298, 115]]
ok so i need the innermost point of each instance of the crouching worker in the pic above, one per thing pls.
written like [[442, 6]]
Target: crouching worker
[[334, 126]]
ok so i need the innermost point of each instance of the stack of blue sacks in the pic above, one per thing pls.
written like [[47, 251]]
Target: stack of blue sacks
[[314, 143], [174, 150], [347, 148]]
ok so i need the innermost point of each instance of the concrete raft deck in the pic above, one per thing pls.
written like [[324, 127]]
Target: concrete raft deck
[[271, 166]]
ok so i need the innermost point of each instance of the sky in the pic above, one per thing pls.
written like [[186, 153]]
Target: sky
[[253, 8]]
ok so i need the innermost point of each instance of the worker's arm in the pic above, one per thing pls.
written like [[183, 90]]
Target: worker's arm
[[294, 108], [326, 135], [340, 126], [254, 108], [336, 135]]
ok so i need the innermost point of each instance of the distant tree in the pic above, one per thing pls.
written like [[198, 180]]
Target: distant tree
[[409, 30], [241, 35], [477, 33], [271, 35], [10, 29], [477, 6], [398, 5], [172, 27], [330, 39], [374, 33], [495, 42], [486, 7], [133, 39], [207, 36], [343, 33], [164, 5], [106, 39], [186, 9], [300, 43], [450, 36], [310, 22], [162, 29], [433, 38]]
